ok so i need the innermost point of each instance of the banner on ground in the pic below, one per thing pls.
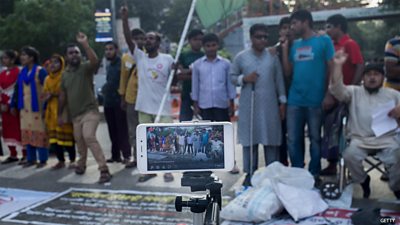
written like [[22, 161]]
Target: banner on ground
[[330, 216], [12, 200], [95, 207]]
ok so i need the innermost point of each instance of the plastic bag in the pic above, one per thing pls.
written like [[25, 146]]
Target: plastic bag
[[277, 172], [299, 202], [253, 205]]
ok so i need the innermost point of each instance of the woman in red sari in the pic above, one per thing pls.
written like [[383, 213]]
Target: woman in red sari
[[10, 123]]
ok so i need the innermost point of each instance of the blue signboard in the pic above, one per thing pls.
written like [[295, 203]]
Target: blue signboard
[[104, 31]]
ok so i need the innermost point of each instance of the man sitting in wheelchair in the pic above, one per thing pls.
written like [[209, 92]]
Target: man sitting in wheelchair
[[362, 102]]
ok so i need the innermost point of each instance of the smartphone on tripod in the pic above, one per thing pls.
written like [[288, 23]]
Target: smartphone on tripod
[[185, 147]]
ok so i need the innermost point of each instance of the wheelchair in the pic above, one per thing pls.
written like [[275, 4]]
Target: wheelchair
[[333, 190]]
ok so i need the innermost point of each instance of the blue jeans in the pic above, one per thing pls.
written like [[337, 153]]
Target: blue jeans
[[297, 117], [32, 155]]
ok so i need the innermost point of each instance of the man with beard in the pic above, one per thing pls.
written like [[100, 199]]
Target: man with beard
[[115, 116], [363, 102], [77, 93], [153, 72], [128, 87]]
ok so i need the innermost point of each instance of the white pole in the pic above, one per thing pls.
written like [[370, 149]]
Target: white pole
[[114, 20], [180, 46]]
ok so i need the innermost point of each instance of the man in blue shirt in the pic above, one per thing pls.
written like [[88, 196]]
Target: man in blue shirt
[[212, 90], [310, 60]]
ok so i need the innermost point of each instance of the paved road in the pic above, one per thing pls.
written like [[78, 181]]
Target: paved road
[[44, 179]]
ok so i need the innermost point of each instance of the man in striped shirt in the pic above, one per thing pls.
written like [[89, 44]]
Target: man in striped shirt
[[392, 63]]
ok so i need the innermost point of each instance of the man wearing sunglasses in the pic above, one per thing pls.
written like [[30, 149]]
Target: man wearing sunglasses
[[256, 69]]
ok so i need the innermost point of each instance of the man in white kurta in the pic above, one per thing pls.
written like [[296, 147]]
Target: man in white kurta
[[362, 102], [255, 69]]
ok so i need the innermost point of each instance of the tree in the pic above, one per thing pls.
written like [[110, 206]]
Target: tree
[[175, 18], [48, 25]]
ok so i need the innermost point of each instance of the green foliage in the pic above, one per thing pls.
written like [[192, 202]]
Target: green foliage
[[175, 18], [48, 25], [372, 36]]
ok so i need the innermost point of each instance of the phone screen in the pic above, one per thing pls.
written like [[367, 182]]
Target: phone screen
[[185, 147]]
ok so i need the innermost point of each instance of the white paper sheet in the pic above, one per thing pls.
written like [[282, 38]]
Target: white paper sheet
[[381, 122]]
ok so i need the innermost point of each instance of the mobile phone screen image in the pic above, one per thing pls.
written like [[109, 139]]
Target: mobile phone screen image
[[185, 147]]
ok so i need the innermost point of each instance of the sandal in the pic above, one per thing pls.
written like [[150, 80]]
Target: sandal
[[10, 160], [146, 177], [168, 177], [105, 177], [41, 165], [58, 166], [235, 170], [22, 161], [80, 170], [28, 164]]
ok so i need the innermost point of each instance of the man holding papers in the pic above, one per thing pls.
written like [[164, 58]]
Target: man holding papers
[[371, 128]]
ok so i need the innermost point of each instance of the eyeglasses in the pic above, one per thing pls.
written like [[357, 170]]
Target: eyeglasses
[[259, 37], [328, 26]]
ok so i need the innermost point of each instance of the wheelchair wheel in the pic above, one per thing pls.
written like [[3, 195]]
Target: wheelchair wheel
[[330, 190]]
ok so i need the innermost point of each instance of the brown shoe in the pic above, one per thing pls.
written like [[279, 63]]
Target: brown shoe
[[58, 166], [168, 177], [105, 177], [80, 170]]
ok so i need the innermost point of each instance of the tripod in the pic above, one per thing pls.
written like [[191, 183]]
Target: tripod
[[210, 204]]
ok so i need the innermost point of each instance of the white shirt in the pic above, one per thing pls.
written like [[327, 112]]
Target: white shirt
[[361, 106], [216, 145], [181, 140], [153, 77]]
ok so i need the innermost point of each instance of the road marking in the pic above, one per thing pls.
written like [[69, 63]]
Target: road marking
[[18, 172], [91, 175]]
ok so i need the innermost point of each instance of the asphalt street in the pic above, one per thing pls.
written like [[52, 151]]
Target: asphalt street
[[45, 179]]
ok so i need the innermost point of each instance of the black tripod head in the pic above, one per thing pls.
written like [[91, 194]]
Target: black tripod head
[[211, 204]]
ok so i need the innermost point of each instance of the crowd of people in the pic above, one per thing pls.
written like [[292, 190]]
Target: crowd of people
[[177, 141], [304, 80]]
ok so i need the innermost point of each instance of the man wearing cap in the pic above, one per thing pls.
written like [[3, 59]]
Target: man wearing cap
[[363, 101]]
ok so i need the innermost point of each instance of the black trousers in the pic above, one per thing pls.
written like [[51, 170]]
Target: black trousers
[[283, 147], [215, 114], [1, 148], [59, 150], [118, 131]]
